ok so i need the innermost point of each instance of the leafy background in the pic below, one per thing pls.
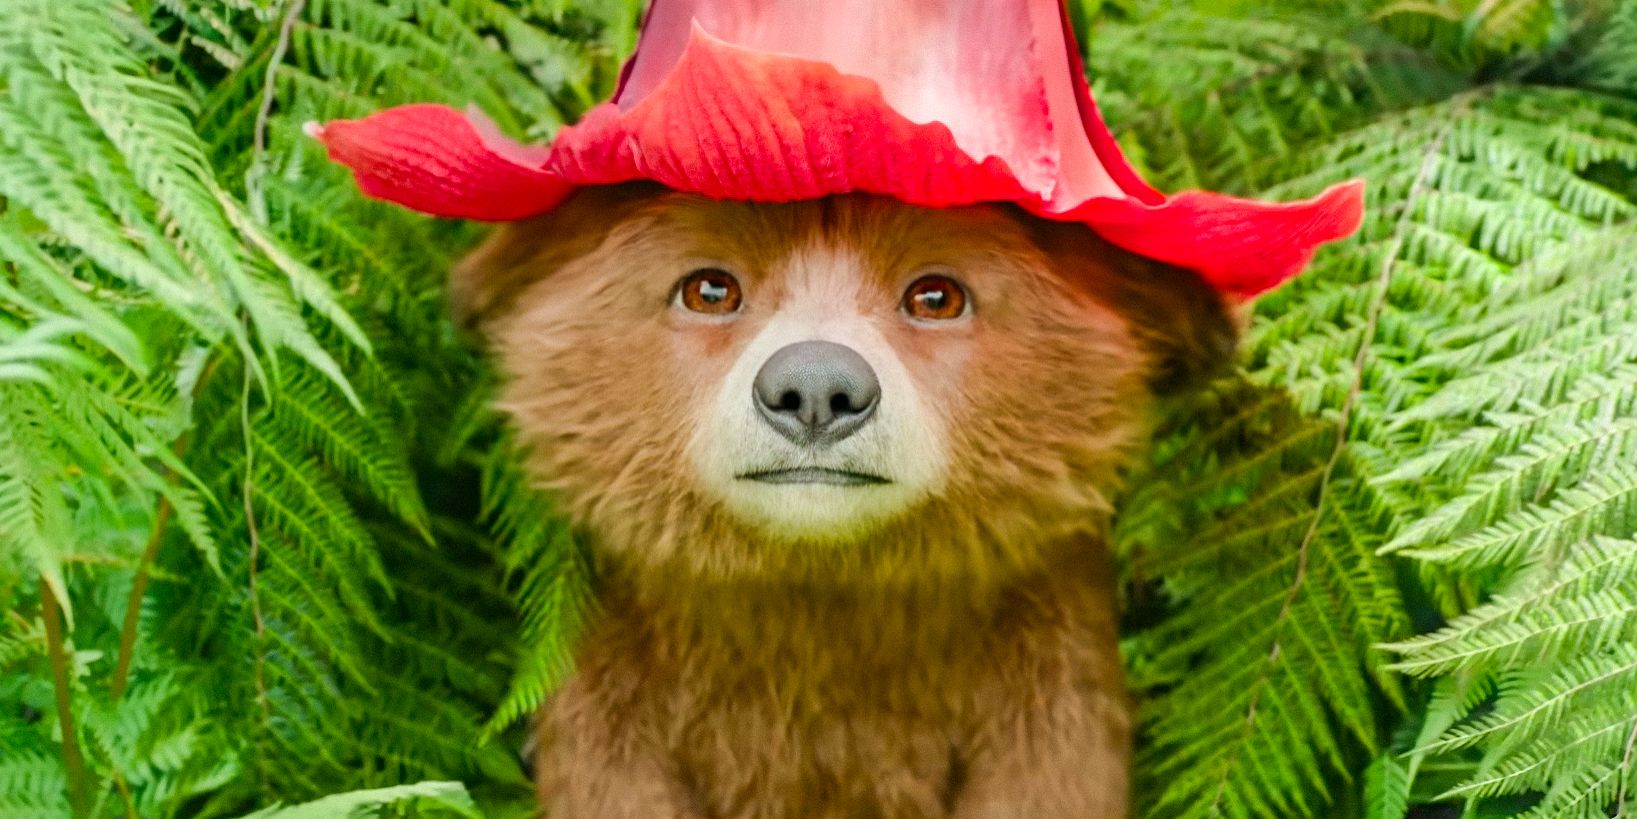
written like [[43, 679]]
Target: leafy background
[[262, 545]]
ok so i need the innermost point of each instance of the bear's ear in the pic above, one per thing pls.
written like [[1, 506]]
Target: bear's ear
[[1187, 330], [486, 283]]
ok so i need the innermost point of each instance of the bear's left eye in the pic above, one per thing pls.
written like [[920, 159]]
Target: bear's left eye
[[709, 290], [935, 298]]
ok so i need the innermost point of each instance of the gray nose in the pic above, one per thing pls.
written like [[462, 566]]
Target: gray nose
[[816, 392]]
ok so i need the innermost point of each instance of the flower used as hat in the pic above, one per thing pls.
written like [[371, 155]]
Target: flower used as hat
[[935, 102]]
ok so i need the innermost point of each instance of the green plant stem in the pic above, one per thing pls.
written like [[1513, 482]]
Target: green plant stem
[[57, 653]]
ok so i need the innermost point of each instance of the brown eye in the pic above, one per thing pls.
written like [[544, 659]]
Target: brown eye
[[710, 290], [935, 298]]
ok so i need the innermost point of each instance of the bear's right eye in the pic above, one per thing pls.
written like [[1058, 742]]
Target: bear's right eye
[[709, 290], [935, 298]]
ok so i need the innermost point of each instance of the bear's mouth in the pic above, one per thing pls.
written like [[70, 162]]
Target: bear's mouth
[[814, 474]]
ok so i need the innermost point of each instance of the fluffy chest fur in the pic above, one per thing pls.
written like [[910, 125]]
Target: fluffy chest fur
[[762, 699]]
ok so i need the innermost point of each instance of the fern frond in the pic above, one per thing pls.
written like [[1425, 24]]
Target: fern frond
[[1476, 200], [1240, 94], [309, 411], [1476, 33], [555, 583], [32, 786], [1583, 606], [419, 799], [1609, 62]]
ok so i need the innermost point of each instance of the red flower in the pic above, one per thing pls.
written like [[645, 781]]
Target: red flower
[[934, 102]]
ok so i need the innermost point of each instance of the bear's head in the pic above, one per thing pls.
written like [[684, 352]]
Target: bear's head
[[846, 387]]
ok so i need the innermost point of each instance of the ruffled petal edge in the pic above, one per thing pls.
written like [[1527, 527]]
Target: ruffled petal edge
[[1240, 246], [443, 162]]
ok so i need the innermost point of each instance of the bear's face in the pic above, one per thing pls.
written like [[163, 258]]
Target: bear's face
[[850, 385]]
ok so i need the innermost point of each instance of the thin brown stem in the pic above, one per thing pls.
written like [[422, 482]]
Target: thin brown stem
[[133, 604], [258, 209], [1624, 772], [258, 160], [144, 566], [255, 545], [57, 654], [125, 796]]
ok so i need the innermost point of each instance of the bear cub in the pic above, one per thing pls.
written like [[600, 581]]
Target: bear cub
[[845, 467]]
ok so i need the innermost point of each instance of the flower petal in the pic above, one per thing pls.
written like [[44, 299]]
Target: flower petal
[[998, 75], [437, 160], [1109, 156], [732, 123], [1240, 246]]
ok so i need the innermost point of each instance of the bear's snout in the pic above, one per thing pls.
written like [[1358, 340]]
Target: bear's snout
[[816, 393]]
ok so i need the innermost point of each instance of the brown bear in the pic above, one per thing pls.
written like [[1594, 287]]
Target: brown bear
[[846, 468]]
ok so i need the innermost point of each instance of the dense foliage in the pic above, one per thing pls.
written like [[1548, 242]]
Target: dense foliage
[[261, 542]]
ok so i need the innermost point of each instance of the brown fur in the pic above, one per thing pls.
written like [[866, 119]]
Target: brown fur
[[957, 661]]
